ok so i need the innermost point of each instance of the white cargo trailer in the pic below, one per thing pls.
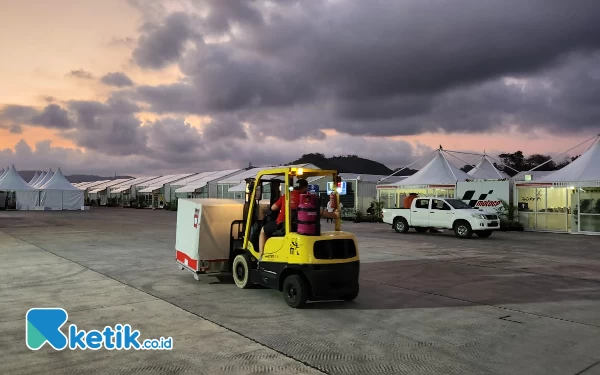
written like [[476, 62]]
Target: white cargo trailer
[[203, 233]]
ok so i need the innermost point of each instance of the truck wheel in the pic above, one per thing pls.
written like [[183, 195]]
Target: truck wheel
[[421, 229], [462, 229], [241, 271], [484, 233], [400, 225], [295, 291]]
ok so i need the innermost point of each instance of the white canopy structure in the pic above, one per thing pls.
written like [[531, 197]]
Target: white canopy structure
[[151, 186], [203, 180], [35, 177], [59, 194], [486, 169], [46, 178], [2, 172], [438, 173], [38, 179], [26, 195], [124, 186], [583, 171]]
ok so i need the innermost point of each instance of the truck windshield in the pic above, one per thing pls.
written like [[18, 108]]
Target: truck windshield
[[458, 204]]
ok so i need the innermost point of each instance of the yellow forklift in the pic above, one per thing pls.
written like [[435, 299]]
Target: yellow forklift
[[320, 265]]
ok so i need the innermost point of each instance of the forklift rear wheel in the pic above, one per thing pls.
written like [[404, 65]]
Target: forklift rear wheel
[[241, 271], [295, 291], [351, 296]]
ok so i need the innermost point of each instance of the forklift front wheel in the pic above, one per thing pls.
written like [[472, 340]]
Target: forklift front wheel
[[295, 291], [241, 271]]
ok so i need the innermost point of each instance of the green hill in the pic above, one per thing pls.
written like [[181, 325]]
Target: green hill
[[348, 164]]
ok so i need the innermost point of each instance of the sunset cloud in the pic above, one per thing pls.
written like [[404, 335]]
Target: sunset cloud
[[277, 79]]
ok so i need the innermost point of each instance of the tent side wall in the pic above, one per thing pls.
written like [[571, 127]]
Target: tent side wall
[[26, 199], [556, 208], [72, 199]]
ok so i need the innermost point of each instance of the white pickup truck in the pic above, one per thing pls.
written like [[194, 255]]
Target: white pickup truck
[[442, 213]]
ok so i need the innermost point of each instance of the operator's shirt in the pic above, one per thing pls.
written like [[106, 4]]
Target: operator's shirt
[[281, 204]]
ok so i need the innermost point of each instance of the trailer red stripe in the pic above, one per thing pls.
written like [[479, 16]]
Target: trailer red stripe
[[185, 259]]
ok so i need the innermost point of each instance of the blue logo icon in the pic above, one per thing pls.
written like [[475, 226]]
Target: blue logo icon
[[43, 326]]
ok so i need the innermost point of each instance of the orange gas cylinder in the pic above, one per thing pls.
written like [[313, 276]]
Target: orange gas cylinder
[[408, 200]]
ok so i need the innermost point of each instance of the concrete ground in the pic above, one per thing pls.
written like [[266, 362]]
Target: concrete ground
[[514, 303]]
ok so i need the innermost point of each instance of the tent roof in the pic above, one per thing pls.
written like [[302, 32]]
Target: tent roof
[[584, 168], [91, 184], [165, 180], [206, 178], [486, 169], [35, 177], [128, 184], [98, 188], [39, 178], [439, 171], [46, 178], [12, 180], [535, 175], [58, 182]]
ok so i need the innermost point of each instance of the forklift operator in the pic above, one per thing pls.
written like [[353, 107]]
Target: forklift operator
[[278, 224]]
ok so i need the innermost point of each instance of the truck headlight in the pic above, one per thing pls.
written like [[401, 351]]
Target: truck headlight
[[479, 216]]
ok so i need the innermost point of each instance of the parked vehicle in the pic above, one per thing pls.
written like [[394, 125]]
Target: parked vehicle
[[442, 213]]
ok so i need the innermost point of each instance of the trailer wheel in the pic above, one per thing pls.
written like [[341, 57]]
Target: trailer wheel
[[400, 225], [241, 271], [295, 291]]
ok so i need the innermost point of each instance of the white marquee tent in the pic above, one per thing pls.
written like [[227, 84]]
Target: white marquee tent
[[580, 172], [2, 172], [35, 177], [438, 173], [26, 195], [486, 169], [38, 179], [47, 177], [59, 194]]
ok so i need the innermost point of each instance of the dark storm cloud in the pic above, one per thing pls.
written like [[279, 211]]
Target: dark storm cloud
[[223, 14], [80, 74], [220, 80], [162, 44], [17, 113], [171, 135], [51, 116], [118, 79], [224, 127], [386, 68]]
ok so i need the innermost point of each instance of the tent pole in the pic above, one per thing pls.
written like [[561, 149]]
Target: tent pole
[[449, 167], [461, 160]]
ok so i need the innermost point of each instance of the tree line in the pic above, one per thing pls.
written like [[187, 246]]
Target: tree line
[[517, 161]]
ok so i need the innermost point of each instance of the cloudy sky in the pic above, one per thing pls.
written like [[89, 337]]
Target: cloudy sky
[[141, 86]]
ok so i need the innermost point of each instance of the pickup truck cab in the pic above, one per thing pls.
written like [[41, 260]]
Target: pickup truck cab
[[442, 213]]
